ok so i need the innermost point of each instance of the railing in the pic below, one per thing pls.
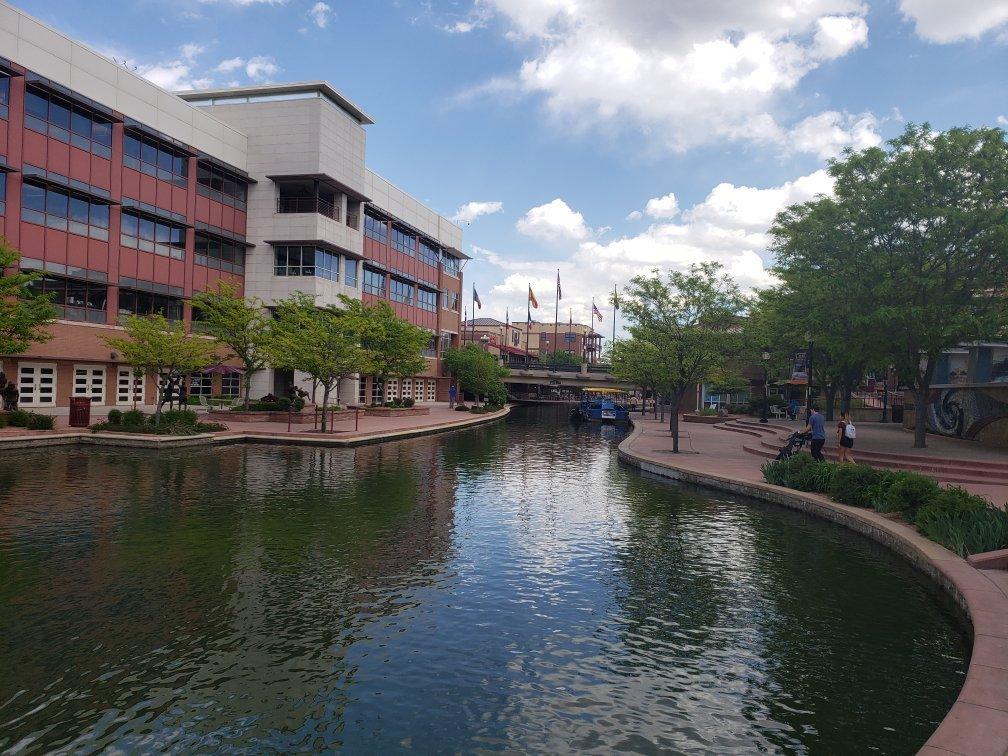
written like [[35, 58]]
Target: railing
[[598, 368], [353, 220], [308, 205]]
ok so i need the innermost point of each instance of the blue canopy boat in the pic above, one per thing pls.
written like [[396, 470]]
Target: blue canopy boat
[[603, 406]]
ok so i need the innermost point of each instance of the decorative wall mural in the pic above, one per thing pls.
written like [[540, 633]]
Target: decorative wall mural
[[965, 412]]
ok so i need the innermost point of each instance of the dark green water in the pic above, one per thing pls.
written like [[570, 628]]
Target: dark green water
[[506, 588]]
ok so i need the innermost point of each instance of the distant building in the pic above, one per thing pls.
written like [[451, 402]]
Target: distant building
[[536, 340]]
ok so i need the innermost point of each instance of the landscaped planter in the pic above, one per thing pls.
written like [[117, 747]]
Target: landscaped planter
[[396, 411], [337, 415], [708, 419], [259, 416]]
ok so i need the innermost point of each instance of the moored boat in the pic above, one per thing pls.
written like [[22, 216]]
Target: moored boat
[[603, 406]]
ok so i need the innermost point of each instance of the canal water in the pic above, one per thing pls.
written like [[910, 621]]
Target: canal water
[[511, 587]]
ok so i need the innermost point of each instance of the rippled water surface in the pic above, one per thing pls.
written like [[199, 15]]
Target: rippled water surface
[[505, 588]]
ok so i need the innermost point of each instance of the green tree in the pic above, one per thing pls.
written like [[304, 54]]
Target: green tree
[[242, 325], [560, 359], [24, 316], [477, 372], [324, 342], [636, 362], [692, 320], [394, 346], [922, 252], [162, 350]]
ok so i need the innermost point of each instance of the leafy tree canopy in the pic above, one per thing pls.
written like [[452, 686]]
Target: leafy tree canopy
[[24, 317]]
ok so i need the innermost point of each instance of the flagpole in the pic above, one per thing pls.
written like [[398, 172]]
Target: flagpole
[[556, 317], [591, 323], [528, 321], [615, 306]]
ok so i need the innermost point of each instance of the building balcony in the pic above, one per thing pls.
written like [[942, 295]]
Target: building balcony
[[318, 205]]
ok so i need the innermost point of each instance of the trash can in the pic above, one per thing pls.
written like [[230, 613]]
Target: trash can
[[80, 412]]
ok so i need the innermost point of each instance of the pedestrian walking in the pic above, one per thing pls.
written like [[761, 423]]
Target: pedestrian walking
[[793, 407], [452, 394], [816, 425], [846, 433]]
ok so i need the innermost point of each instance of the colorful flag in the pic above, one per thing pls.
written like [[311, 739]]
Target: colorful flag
[[476, 298], [532, 299], [596, 313], [559, 294]]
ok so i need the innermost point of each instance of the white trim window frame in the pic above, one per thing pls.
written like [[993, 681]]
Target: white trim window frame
[[89, 381], [39, 378]]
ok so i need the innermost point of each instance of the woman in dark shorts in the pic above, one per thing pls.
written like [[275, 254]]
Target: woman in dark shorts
[[844, 441]]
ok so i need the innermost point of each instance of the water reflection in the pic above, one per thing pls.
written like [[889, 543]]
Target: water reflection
[[508, 587]]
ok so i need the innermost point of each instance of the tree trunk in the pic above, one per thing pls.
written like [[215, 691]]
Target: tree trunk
[[325, 403], [674, 419], [248, 389], [845, 401], [654, 401]]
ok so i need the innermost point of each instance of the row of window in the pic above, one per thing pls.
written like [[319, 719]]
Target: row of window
[[148, 155], [73, 299], [221, 186], [64, 210], [219, 254], [373, 282], [149, 235], [69, 122], [295, 260], [133, 302], [378, 229], [201, 384], [37, 384], [4, 94], [418, 389]]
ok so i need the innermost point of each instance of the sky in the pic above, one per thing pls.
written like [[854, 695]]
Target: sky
[[600, 138]]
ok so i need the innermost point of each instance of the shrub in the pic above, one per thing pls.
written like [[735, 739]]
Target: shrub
[[408, 402], [3, 421], [177, 417], [851, 484], [18, 418], [908, 492], [816, 476], [461, 408], [965, 523], [283, 404], [477, 410], [134, 418], [210, 427], [40, 422], [115, 417], [782, 472]]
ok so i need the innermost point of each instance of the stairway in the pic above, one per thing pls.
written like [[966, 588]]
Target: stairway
[[766, 439]]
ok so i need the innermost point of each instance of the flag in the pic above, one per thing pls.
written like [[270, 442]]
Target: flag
[[559, 294], [476, 299], [596, 313], [533, 300]]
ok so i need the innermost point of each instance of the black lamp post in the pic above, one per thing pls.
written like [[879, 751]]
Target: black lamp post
[[885, 395], [808, 367], [766, 385]]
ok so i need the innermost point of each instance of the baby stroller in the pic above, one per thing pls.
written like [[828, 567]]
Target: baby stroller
[[794, 444]]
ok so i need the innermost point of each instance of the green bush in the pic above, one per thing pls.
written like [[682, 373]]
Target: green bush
[[134, 418], [782, 472], [851, 484], [461, 408], [408, 402], [40, 422], [179, 416], [3, 421], [963, 522], [908, 492], [816, 477], [19, 418], [115, 417]]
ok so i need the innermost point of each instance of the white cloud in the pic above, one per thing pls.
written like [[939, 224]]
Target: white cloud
[[662, 207], [688, 73], [830, 133], [1002, 120], [729, 226], [320, 14], [554, 220], [260, 67], [192, 50], [231, 64], [470, 211], [943, 21], [634, 215]]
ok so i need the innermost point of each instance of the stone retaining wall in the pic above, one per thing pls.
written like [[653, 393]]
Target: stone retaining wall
[[396, 412]]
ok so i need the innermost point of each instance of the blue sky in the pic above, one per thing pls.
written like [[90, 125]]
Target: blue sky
[[603, 137]]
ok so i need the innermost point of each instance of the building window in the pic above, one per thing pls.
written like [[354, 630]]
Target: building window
[[407, 388], [4, 94], [362, 390], [200, 384], [150, 235], [427, 300], [451, 301], [403, 241], [377, 391], [431, 390], [219, 254], [129, 386], [63, 210], [400, 291], [306, 261], [431, 349], [350, 273], [3, 193], [89, 381], [82, 301], [376, 228], [150, 156], [391, 389], [374, 282], [221, 186], [133, 302], [37, 384], [67, 121], [451, 265], [231, 385], [446, 342], [428, 254]]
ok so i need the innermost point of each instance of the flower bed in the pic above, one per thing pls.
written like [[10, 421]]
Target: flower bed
[[260, 416], [958, 520], [396, 411], [173, 423]]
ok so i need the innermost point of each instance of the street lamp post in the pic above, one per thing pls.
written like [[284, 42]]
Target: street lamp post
[[484, 340], [766, 385], [808, 367], [885, 395]]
